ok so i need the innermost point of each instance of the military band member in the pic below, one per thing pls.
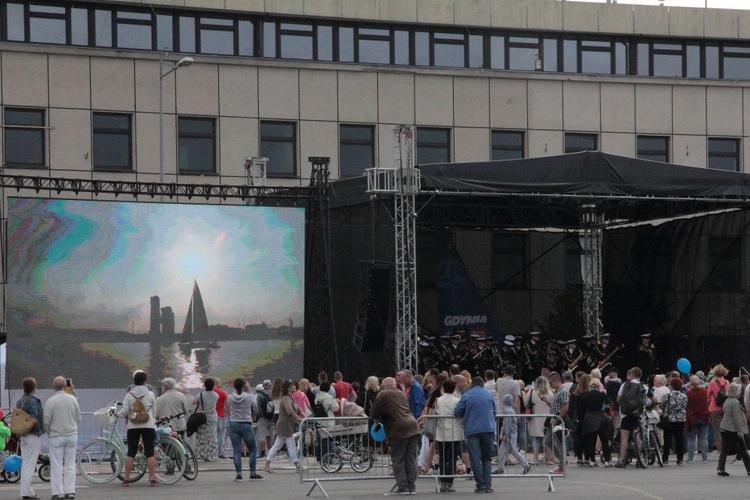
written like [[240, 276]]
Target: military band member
[[534, 356], [647, 356], [587, 348], [485, 358], [605, 352], [571, 356], [456, 349], [508, 352]]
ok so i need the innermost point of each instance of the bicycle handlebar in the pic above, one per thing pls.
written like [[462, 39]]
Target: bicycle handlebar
[[164, 420]]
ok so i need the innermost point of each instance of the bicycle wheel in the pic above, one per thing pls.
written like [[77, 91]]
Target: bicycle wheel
[[99, 461], [361, 461], [12, 477], [191, 463], [641, 450], [331, 462], [170, 459], [44, 471], [657, 449], [140, 466]]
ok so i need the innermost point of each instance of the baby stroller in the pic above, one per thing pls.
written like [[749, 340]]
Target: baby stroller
[[345, 441]]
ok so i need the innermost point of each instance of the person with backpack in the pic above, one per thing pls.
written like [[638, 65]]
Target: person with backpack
[[717, 394], [265, 432], [632, 399], [141, 426]]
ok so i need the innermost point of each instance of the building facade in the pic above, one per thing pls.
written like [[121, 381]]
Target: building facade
[[93, 90]]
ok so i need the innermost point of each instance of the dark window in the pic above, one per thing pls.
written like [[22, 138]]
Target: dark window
[[47, 24], [596, 56], [573, 252], [724, 154], [509, 260], [736, 63], [653, 148], [523, 53], [134, 30], [497, 52], [549, 54], [187, 34], [356, 149], [164, 32], [580, 142], [374, 45], [724, 264], [278, 143], [246, 38], [433, 145], [112, 142], [103, 28], [325, 43], [449, 49], [712, 61], [421, 48], [667, 59], [79, 26], [507, 145], [216, 35], [197, 145], [295, 41], [15, 23], [24, 137]]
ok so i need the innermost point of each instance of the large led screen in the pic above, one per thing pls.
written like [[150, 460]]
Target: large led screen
[[96, 290]]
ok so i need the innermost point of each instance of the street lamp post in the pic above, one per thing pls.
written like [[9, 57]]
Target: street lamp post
[[172, 67]]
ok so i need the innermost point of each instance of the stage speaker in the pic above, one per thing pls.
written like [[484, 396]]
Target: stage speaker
[[372, 314]]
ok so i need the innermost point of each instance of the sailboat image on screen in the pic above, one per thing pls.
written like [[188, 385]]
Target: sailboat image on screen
[[196, 322]]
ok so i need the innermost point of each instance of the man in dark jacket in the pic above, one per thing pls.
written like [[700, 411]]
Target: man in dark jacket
[[391, 408]]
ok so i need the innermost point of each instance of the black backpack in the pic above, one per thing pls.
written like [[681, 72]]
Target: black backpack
[[265, 406], [319, 411], [632, 398], [721, 396]]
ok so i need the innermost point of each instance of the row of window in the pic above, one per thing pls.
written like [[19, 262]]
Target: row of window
[[25, 132], [128, 27]]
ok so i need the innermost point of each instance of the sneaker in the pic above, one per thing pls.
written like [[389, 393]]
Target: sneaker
[[722, 473], [238, 478], [620, 465], [689, 459], [593, 464], [256, 476], [557, 470], [608, 464], [526, 469], [267, 468], [480, 490], [154, 482], [402, 491]]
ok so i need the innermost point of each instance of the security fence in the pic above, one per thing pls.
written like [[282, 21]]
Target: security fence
[[344, 449]]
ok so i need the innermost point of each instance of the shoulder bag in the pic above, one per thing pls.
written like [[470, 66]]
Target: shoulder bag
[[21, 422], [430, 424], [197, 419], [664, 419]]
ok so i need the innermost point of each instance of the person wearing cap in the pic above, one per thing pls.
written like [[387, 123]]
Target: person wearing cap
[[571, 355], [456, 349], [604, 352], [391, 408], [647, 356], [533, 354], [172, 402], [507, 351], [265, 432]]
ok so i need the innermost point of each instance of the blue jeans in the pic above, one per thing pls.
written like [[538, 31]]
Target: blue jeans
[[240, 432], [481, 448], [700, 430]]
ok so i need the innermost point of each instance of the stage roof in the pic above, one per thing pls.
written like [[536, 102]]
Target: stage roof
[[550, 191]]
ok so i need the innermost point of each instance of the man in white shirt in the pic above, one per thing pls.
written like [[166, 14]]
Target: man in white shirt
[[61, 417], [172, 402]]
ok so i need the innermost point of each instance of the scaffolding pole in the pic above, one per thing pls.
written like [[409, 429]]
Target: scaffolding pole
[[403, 182], [592, 224]]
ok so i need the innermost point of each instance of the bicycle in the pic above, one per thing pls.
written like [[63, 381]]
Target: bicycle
[[645, 443], [102, 459], [191, 462]]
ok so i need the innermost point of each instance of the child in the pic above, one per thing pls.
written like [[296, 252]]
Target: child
[[509, 437]]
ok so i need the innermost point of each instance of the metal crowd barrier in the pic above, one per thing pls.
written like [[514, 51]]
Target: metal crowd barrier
[[342, 449]]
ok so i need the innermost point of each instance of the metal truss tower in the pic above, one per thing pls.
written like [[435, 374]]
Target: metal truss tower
[[592, 225], [403, 182]]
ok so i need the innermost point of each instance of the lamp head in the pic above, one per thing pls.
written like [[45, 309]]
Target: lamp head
[[184, 62]]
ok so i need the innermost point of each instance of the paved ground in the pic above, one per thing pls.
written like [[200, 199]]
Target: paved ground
[[215, 481]]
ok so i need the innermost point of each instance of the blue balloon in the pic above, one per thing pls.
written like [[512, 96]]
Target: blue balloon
[[377, 432], [12, 463], [683, 365]]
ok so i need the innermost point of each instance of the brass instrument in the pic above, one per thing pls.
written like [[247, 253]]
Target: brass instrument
[[604, 362], [574, 364]]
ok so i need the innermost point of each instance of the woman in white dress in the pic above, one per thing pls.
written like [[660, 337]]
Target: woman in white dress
[[537, 400]]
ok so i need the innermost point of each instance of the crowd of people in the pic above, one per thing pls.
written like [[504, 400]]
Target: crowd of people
[[452, 421]]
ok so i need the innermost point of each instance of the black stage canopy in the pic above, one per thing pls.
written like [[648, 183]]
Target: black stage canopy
[[540, 192]]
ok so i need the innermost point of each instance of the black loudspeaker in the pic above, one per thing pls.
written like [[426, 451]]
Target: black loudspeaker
[[372, 315]]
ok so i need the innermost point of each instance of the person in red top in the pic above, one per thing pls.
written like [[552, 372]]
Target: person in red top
[[221, 423], [343, 390], [698, 418], [716, 411]]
